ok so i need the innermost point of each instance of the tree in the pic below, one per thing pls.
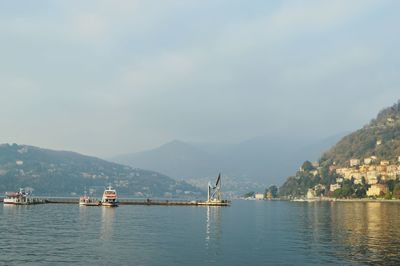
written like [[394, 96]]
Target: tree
[[249, 194], [360, 192], [307, 166], [396, 191], [273, 190]]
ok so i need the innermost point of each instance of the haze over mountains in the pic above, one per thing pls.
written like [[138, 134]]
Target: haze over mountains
[[265, 160], [62, 173]]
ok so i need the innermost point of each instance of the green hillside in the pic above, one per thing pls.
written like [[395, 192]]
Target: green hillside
[[50, 172], [379, 139]]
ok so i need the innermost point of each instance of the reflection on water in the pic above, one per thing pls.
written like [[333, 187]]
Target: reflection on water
[[213, 223], [369, 232], [263, 233], [213, 234], [107, 223], [359, 232]]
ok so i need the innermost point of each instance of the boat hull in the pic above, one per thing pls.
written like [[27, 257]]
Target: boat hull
[[90, 204], [109, 204]]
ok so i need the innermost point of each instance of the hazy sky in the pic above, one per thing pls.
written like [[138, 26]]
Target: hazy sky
[[111, 77]]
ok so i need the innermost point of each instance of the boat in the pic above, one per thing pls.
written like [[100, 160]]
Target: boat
[[214, 195], [20, 198], [85, 200], [110, 198]]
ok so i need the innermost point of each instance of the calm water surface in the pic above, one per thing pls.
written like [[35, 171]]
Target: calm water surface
[[248, 232]]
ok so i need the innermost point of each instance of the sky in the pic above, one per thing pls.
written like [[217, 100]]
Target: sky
[[112, 77]]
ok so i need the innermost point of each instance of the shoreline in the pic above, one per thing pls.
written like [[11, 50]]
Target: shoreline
[[348, 200]]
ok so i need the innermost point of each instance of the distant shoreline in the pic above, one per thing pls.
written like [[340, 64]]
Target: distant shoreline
[[363, 200], [348, 200]]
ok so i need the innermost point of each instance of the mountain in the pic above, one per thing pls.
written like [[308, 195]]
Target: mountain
[[378, 142], [50, 172], [380, 137], [263, 159], [176, 159]]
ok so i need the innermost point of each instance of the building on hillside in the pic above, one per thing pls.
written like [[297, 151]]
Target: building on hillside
[[333, 187], [377, 190], [315, 164], [354, 162], [367, 160], [319, 189], [358, 181], [259, 196], [371, 180], [392, 168], [314, 172], [385, 162], [311, 193], [332, 168]]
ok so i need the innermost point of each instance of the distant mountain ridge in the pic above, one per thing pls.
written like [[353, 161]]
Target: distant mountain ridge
[[51, 172], [176, 159], [264, 159]]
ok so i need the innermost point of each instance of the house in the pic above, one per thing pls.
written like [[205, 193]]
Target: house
[[319, 188], [367, 160], [354, 162], [311, 193], [371, 180], [385, 163], [377, 190], [315, 164], [333, 187], [259, 196]]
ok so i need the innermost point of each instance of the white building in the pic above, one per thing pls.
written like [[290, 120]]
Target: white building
[[259, 196], [333, 187], [377, 190], [311, 193], [354, 162]]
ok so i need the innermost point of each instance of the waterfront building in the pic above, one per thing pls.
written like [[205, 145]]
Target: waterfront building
[[259, 196], [333, 187], [311, 193], [377, 190]]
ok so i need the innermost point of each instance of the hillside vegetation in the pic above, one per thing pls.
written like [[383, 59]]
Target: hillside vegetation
[[381, 138], [50, 172], [378, 142]]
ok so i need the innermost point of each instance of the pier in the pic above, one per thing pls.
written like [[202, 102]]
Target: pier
[[149, 202]]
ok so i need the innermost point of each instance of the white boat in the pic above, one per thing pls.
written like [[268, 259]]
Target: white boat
[[20, 198], [110, 198], [85, 200]]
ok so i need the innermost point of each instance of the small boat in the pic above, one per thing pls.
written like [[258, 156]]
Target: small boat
[[110, 198], [85, 200], [20, 198]]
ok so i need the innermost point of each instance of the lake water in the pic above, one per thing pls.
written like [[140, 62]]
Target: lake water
[[248, 232]]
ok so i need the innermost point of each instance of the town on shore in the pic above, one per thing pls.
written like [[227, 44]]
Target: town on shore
[[367, 178]]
